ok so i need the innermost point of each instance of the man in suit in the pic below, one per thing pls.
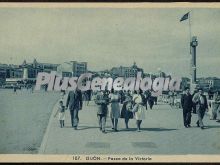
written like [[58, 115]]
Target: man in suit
[[74, 102], [201, 106], [186, 102], [102, 101]]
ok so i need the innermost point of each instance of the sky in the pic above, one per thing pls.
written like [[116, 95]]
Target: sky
[[108, 37]]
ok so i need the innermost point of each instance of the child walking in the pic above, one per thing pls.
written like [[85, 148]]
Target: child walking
[[61, 110]]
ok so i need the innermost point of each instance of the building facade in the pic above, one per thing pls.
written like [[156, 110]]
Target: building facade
[[126, 71], [72, 69], [209, 82], [4, 73], [30, 70], [26, 72]]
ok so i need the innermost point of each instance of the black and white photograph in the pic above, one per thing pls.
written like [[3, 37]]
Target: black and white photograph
[[110, 80]]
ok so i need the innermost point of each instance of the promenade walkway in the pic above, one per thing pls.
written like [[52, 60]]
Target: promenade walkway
[[162, 133]]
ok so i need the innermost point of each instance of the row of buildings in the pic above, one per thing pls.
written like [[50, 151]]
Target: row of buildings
[[27, 72], [67, 69], [24, 72]]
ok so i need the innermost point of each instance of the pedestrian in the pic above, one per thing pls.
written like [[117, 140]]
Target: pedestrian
[[89, 93], [138, 109], [215, 105], [122, 97], [210, 93], [126, 111], [143, 97], [102, 101], [84, 97], [147, 96], [171, 96], [32, 88], [151, 101], [15, 89], [61, 111], [74, 102], [186, 102], [201, 107], [155, 99], [115, 109], [27, 86]]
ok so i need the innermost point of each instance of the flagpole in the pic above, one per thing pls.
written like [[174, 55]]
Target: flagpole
[[190, 32], [190, 50], [184, 17]]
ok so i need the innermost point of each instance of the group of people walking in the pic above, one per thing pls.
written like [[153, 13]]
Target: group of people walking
[[197, 103], [134, 105]]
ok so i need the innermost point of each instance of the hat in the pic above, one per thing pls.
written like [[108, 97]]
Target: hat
[[200, 89]]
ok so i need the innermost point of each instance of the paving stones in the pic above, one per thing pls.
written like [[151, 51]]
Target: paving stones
[[97, 145], [162, 133], [144, 145]]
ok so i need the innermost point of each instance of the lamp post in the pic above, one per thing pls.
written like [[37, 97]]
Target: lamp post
[[193, 44]]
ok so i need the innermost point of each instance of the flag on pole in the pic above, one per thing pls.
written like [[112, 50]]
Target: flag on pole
[[184, 17]]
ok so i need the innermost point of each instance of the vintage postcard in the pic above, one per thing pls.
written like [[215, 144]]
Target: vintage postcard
[[109, 82]]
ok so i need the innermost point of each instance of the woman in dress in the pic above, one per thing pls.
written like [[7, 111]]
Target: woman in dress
[[115, 109], [139, 112], [126, 112]]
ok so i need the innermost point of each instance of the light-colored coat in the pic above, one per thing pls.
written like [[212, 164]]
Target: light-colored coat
[[140, 114]]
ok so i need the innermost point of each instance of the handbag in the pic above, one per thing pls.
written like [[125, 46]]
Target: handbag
[[135, 108]]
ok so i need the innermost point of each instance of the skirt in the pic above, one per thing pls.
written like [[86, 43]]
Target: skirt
[[61, 115], [115, 111], [125, 113], [140, 114]]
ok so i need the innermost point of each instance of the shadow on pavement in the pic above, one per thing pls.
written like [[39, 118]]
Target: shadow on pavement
[[86, 127], [212, 126], [149, 129], [108, 128], [82, 127]]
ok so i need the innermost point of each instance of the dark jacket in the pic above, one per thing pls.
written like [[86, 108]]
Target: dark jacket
[[205, 105], [74, 100], [186, 102]]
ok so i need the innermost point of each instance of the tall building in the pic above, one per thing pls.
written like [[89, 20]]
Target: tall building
[[72, 69], [126, 71]]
